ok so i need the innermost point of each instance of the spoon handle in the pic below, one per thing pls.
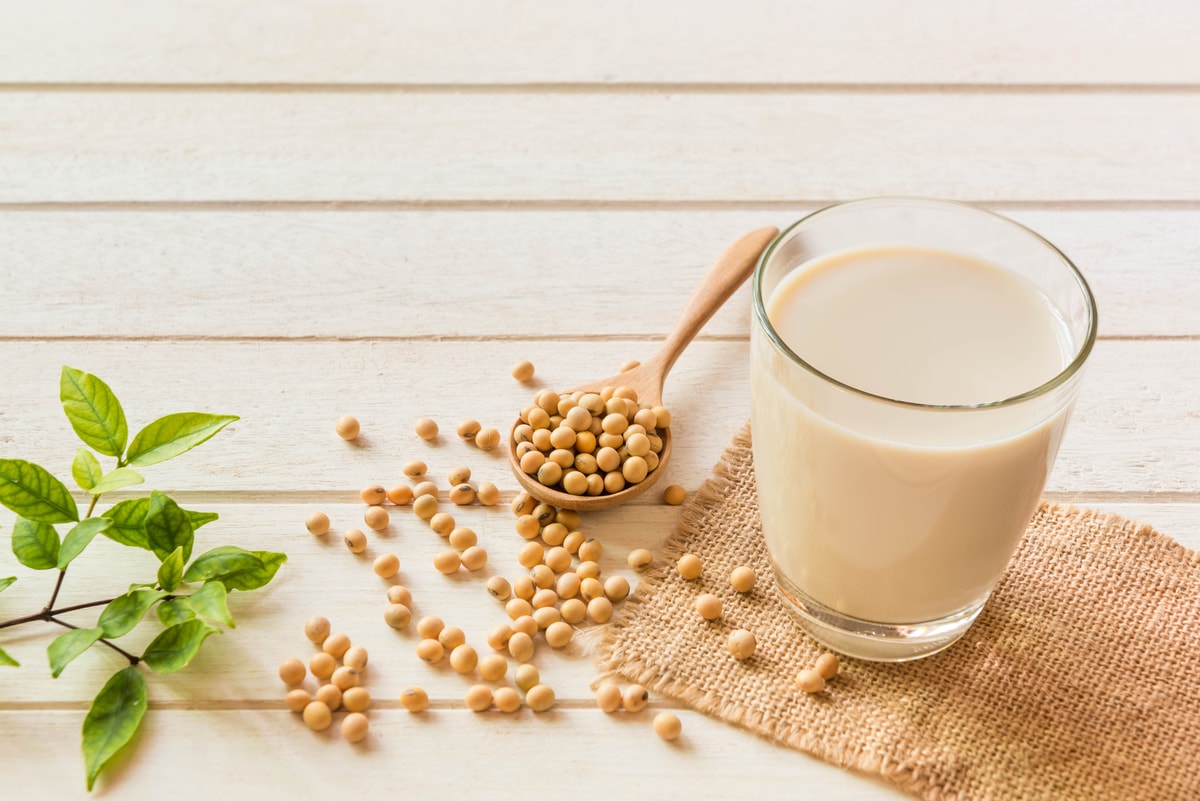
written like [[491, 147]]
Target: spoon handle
[[729, 271]]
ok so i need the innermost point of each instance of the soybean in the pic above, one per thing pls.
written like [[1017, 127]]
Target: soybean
[[600, 609], [316, 629], [356, 657], [415, 469], [425, 488], [356, 699], [810, 681], [425, 506], [337, 645], [827, 666], [386, 565], [689, 566], [322, 665], [520, 646], [518, 607], [376, 518], [499, 588], [297, 699], [674, 495], [355, 727], [492, 667], [373, 494], [463, 658], [401, 494], [573, 611], [478, 697], [397, 615], [414, 699], [742, 578], [452, 637], [329, 695], [317, 716], [430, 651], [608, 697], [429, 627], [523, 370], [426, 429], [667, 726], [616, 588], [539, 698], [346, 427], [526, 624], [709, 606], [442, 523], [292, 672], [546, 617], [474, 558], [317, 524], [355, 540], [635, 698], [741, 644], [399, 594], [487, 493], [640, 559], [344, 678], [447, 562], [558, 634], [506, 699], [497, 638], [466, 431], [462, 494], [487, 439]]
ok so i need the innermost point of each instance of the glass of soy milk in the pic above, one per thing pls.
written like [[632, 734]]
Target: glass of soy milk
[[914, 363]]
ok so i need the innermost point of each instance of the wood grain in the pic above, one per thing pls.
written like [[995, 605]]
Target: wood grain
[[1135, 429], [104, 147], [520, 41], [470, 274]]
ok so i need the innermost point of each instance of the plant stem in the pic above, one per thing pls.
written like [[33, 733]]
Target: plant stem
[[54, 595], [133, 660]]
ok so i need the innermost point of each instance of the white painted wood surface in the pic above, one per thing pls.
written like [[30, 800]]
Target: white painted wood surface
[[294, 210]]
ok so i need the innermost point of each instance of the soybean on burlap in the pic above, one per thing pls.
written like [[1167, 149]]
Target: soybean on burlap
[[1081, 679]]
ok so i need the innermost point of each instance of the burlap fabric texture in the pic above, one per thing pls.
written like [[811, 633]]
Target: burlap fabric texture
[[1081, 679]]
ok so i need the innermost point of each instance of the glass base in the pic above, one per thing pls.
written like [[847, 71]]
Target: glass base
[[876, 642]]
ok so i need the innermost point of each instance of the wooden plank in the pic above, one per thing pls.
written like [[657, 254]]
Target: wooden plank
[[1135, 429], [414, 273], [619, 147], [322, 577], [221, 754], [375, 41]]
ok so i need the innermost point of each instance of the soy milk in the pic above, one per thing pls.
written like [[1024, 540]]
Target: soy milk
[[879, 510]]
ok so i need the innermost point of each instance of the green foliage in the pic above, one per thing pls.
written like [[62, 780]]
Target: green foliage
[[168, 527], [170, 572], [235, 568], [126, 611], [94, 411], [86, 469], [155, 523], [70, 645], [168, 437], [79, 538], [31, 492], [175, 647], [114, 717]]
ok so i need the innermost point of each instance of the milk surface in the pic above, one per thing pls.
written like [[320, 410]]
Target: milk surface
[[874, 512]]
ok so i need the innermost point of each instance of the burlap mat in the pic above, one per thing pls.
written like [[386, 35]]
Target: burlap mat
[[1081, 679]]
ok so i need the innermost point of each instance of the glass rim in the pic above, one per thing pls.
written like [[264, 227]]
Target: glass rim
[[1062, 377]]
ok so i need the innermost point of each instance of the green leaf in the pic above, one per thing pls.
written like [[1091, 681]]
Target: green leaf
[[31, 492], [66, 647], [209, 602], [117, 479], [126, 611], [237, 569], [171, 570], [94, 411], [168, 527], [35, 544], [129, 523], [176, 646], [201, 518], [79, 538], [112, 721], [171, 613], [86, 469], [169, 436], [7, 661], [5, 583]]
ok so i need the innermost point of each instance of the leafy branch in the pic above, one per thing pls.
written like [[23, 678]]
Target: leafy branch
[[155, 523]]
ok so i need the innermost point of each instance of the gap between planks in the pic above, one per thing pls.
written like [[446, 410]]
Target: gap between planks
[[416, 338], [521, 206], [614, 88]]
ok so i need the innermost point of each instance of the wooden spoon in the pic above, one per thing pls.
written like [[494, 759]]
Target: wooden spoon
[[730, 271]]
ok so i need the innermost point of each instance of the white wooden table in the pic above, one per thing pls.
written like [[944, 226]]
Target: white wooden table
[[296, 209]]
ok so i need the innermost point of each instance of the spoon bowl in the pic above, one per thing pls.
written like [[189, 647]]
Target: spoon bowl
[[730, 271]]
